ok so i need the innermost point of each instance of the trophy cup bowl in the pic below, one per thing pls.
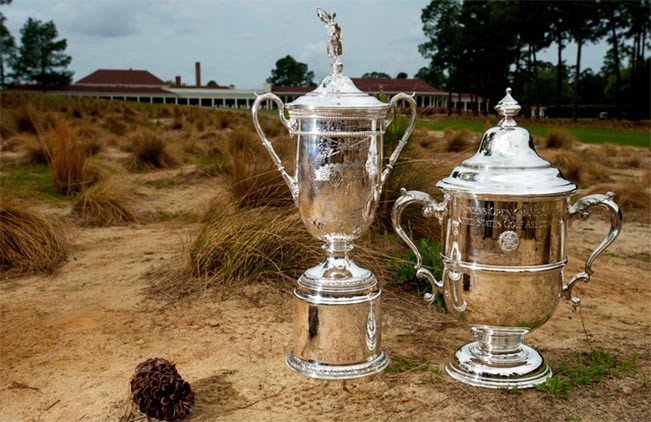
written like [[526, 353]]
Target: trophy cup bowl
[[504, 220], [338, 131]]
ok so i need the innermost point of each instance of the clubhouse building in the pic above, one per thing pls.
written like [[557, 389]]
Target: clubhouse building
[[143, 86]]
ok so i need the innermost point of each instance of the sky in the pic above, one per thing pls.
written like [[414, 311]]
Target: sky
[[239, 41]]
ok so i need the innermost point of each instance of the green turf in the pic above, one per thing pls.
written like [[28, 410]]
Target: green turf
[[24, 179], [590, 135]]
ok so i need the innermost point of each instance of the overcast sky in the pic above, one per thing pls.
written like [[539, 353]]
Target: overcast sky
[[238, 41]]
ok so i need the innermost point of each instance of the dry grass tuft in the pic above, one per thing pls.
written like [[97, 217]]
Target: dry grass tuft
[[254, 244], [575, 167], [29, 240], [27, 119], [98, 169], [106, 203], [252, 178], [66, 154], [559, 139], [646, 177], [462, 140], [116, 126], [416, 170], [629, 196], [14, 143], [150, 150]]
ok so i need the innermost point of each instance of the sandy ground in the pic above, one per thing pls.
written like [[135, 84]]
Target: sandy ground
[[70, 341]]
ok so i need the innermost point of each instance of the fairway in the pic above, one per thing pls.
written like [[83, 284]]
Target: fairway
[[589, 135]]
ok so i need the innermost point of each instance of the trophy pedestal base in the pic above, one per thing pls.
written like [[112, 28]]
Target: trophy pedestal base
[[337, 333], [320, 370], [498, 359]]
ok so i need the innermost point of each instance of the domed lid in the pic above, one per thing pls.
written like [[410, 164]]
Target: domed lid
[[336, 91], [507, 163]]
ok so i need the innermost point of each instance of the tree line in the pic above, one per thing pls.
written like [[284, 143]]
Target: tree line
[[40, 58], [483, 46]]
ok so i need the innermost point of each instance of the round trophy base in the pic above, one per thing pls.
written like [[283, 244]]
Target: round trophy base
[[318, 370], [498, 359]]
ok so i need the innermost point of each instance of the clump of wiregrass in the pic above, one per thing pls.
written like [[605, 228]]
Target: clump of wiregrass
[[559, 139], [150, 150], [98, 169], [461, 140], [27, 119], [575, 167], [646, 177], [630, 196], [265, 243], [251, 176], [618, 156], [66, 155], [417, 169], [116, 125], [14, 143], [106, 203], [30, 240], [251, 245]]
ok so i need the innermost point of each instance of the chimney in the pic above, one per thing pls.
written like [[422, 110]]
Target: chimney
[[177, 81], [197, 72]]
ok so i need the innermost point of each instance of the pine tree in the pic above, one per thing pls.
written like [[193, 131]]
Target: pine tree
[[41, 59]]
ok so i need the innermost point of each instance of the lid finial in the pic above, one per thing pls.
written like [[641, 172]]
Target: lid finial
[[507, 108], [334, 38]]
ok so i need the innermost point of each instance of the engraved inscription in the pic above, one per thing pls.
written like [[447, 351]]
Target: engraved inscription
[[335, 173], [505, 218]]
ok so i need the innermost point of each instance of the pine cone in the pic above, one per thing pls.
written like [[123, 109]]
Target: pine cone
[[159, 391]]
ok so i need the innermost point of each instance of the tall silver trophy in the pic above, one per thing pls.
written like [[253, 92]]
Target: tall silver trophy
[[504, 220], [338, 179]]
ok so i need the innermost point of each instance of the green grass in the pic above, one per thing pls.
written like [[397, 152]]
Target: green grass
[[585, 369], [24, 179], [430, 374], [555, 387], [589, 135]]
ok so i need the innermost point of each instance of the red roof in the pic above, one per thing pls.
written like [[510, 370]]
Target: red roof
[[372, 85], [107, 77], [118, 90]]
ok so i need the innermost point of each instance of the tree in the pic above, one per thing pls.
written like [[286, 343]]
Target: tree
[[616, 18], [584, 25], [374, 74], [531, 23], [211, 83], [639, 14], [7, 46], [402, 75], [41, 58], [289, 72], [441, 27]]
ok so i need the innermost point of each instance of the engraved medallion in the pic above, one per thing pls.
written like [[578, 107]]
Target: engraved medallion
[[509, 241]]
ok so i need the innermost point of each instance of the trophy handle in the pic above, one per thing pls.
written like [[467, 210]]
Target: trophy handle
[[291, 181], [581, 210], [430, 208], [403, 141]]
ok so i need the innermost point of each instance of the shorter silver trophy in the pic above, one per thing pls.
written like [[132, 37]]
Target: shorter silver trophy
[[338, 179], [504, 220]]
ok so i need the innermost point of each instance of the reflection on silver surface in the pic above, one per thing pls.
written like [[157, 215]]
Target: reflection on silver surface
[[504, 226], [337, 182]]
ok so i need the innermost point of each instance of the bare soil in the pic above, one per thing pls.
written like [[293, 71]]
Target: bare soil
[[71, 340]]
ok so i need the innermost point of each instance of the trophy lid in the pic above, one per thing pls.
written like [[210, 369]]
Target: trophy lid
[[336, 91], [507, 163]]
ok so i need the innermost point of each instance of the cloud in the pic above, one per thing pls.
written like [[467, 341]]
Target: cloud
[[106, 19]]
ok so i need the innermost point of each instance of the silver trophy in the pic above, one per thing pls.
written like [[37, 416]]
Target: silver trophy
[[338, 179], [504, 220]]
